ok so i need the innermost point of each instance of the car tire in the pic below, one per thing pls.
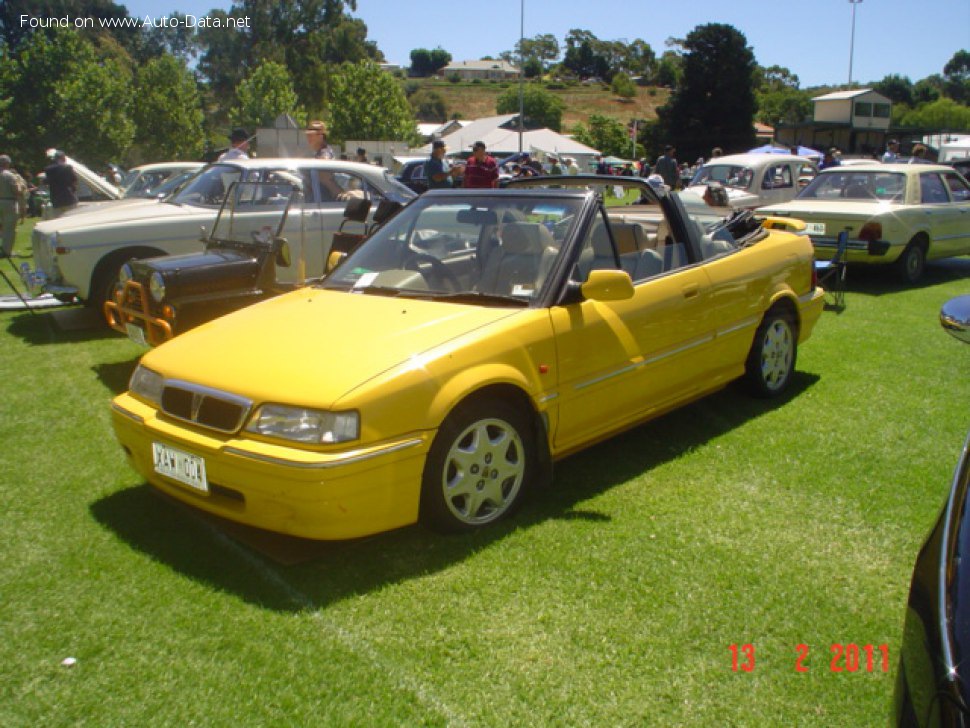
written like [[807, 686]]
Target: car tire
[[912, 262], [771, 361], [479, 465], [105, 275]]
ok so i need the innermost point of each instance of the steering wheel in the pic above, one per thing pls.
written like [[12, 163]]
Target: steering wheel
[[438, 269]]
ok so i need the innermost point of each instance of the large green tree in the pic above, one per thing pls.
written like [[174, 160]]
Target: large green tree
[[66, 96], [541, 108], [368, 103], [426, 62], [167, 112], [778, 96], [263, 95], [606, 134], [714, 105]]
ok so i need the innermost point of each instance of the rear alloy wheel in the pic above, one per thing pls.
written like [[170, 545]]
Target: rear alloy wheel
[[771, 362], [478, 466], [911, 264]]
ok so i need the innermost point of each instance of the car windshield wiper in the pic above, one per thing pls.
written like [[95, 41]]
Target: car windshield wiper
[[376, 290], [480, 298]]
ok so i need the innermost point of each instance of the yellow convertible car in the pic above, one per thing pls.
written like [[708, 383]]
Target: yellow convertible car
[[477, 337]]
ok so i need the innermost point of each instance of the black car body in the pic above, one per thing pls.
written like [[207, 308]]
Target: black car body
[[412, 176], [246, 259], [933, 680]]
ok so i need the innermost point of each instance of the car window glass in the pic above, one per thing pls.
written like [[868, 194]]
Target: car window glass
[[209, 188], [342, 186], [730, 175], [777, 177], [860, 186], [931, 189], [959, 189]]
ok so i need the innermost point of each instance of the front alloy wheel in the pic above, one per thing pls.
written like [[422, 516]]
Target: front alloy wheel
[[477, 467], [772, 359], [911, 264]]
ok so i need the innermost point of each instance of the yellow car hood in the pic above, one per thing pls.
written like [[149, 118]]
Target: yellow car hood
[[312, 346]]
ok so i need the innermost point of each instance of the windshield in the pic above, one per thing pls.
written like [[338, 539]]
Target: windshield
[[729, 175], [859, 186], [208, 189], [469, 247]]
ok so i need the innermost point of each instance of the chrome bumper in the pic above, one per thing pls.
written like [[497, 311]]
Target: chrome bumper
[[38, 282]]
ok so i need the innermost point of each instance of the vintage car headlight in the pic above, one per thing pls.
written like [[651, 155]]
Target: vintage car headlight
[[311, 426], [125, 274], [156, 284], [147, 385]]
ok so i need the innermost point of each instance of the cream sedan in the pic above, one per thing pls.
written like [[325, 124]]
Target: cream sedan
[[900, 214]]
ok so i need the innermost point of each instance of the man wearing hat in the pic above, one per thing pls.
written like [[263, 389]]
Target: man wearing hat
[[481, 169], [62, 182], [439, 172], [240, 145], [12, 191], [316, 137]]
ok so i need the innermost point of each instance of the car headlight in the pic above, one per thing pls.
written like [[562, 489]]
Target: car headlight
[[311, 426], [125, 274], [147, 385], [156, 284]]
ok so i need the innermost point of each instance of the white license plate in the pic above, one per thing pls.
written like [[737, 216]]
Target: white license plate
[[815, 228], [182, 466], [136, 333]]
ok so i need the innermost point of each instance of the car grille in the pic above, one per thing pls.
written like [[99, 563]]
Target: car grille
[[205, 407]]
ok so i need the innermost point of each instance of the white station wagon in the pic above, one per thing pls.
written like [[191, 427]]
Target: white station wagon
[[80, 256], [753, 180]]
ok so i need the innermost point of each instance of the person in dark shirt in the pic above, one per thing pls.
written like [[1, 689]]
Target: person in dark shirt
[[62, 181], [481, 169], [439, 172]]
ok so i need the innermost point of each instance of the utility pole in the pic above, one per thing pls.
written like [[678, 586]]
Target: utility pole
[[853, 3]]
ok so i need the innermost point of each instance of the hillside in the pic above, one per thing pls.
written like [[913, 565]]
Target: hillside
[[474, 100]]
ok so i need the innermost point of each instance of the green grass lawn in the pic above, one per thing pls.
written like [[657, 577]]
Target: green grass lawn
[[610, 599]]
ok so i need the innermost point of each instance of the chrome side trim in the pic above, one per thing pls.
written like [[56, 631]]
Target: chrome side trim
[[334, 461], [130, 415], [640, 364], [746, 324], [548, 397]]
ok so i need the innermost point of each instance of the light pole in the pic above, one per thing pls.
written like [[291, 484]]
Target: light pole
[[853, 3], [521, 69]]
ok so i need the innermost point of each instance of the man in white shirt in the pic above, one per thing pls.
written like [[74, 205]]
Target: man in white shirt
[[240, 145]]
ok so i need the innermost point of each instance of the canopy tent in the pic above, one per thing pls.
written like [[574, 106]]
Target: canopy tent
[[772, 149]]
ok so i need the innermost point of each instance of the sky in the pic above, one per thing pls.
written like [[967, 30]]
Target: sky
[[810, 37]]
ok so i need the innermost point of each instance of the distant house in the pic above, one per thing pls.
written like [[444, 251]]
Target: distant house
[[483, 70], [856, 121]]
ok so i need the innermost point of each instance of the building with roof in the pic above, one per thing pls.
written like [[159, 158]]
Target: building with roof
[[488, 70], [856, 121]]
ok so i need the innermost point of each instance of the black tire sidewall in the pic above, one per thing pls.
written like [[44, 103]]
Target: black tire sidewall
[[754, 377]]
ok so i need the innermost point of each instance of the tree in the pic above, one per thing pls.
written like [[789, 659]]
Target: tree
[[778, 97], [263, 95], [367, 103], [428, 106], [896, 88], [623, 87], [943, 113], [714, 103], [957, 75], [540, 108], [543, 48], [426, 63], [928, 89], [167, 112], [606, 134], [670, 69], [69, 98]]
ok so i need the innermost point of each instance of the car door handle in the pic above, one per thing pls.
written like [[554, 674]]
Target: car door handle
[[691, 291]]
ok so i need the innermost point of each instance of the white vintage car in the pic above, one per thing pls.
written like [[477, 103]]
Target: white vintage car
[[143, 180], [904, 214], [80, 255], [753, 180]]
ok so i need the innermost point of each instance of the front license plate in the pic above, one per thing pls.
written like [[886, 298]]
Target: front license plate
[[136, 333], [182, 466], [815, 228]]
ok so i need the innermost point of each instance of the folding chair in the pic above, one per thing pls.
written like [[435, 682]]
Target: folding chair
[[831, 273]]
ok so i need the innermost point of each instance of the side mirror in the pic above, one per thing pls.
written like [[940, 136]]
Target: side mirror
[[334, 259], [955, 318], [608, 285], [203, 235], [283, 258]]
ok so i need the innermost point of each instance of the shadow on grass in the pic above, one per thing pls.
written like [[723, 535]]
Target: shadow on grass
[[325, 573], [60, 326], [115, 375], [880, 280]]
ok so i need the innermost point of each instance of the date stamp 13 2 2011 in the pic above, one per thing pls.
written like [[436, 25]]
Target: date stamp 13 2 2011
[[843, 658]]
